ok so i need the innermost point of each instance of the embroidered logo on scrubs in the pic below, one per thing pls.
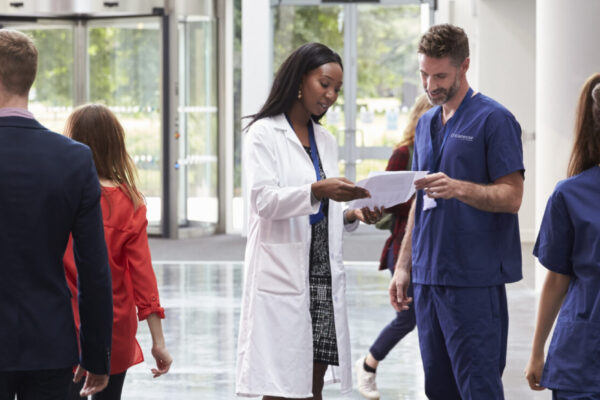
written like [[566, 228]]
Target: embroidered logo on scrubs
[[462, 137]]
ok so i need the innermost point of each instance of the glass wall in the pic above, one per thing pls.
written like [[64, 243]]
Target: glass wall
[[51, 97], [296, 25], [381, 61], [198, 118], [387, 78], [117, 60], [124, 61]]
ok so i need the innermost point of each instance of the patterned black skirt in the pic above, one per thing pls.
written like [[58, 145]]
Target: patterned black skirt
[[321, 303]]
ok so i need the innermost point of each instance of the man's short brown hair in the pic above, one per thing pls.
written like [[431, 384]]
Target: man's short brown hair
[[18, 62], [445, 40]]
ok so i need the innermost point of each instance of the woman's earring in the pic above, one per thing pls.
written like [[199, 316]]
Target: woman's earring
[[299, 93]]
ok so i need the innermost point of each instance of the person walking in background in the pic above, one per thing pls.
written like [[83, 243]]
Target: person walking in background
[[400, 160], [462, 240], [568, 245], [49, 190], [293, 323], [133, 280]]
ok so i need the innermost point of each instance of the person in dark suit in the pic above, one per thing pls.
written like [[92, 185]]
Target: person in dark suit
[[48, 189]]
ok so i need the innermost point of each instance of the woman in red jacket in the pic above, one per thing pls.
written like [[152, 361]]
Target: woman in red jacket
[[133, 280]]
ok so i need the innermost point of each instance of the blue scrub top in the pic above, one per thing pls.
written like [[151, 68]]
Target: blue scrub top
[[455, 244], [569, 243]]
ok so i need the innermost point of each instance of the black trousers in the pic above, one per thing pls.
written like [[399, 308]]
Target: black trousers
[[111, 392], [50, 384]]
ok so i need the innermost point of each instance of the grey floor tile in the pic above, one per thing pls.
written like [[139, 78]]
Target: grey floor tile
[[202, 304]]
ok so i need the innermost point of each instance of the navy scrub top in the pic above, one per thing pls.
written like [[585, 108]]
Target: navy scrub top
[[569, 243], [455, 244]]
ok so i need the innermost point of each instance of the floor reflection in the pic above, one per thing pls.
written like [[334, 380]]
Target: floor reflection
[[202, 302]]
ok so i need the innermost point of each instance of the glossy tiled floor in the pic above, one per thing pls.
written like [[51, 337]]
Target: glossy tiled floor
[[202, 306]]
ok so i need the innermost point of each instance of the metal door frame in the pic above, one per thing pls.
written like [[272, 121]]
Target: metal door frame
[[78, 13]]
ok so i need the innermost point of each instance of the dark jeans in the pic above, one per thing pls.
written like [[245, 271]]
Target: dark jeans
[[50, 384], [400, 326], [111, 392]]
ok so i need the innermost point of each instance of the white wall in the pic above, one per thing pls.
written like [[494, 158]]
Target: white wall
[[507, 64], [567, 54], [256, 54], [502, 40]]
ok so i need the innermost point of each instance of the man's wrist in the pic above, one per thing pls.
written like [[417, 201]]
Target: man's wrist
[[403, 264], [460, 190]]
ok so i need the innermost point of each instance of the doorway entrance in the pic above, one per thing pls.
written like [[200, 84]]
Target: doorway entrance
[[121, 54]]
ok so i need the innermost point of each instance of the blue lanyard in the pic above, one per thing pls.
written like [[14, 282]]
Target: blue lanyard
[[314, 218], [436, 159]]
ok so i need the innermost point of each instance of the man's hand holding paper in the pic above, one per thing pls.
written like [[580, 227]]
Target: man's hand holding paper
[[388, 188]]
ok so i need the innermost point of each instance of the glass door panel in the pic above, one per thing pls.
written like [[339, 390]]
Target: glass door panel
[[124, 59], [386, 44], [198, 115], [379, 46], [296, 25], [51, 97]]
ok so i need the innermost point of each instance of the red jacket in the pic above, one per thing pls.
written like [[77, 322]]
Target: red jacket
[[133, 280], [398, 162]]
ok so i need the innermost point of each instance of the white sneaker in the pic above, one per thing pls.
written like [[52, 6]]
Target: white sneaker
[[366, 381]]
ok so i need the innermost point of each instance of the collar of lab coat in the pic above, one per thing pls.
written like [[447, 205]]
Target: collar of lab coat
[[280, 123]]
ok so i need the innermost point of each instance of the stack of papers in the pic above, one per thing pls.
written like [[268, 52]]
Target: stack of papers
[[388, 188]]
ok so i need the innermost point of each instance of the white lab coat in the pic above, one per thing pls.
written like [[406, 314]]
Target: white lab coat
[[275, 352]]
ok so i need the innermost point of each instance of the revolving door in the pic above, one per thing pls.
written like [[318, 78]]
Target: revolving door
[[153, 64]]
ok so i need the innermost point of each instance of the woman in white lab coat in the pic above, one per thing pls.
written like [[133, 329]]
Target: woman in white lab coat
[[293, 323]]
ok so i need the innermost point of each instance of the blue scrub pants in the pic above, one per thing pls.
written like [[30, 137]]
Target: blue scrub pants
[[463, 333], [565, 395], [399, 327]]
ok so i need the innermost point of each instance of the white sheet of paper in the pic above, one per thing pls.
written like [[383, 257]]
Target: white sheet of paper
[[388, 188], [428, 203]]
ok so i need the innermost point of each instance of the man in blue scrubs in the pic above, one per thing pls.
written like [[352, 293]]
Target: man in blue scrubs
[[464, 243]]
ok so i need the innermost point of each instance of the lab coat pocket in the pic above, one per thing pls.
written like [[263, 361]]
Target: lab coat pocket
[[282, 268]]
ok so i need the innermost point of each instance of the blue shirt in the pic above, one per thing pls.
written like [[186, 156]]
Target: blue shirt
[[569, 243], [455, 244]]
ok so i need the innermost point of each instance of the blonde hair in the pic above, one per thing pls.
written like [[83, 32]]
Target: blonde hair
[[586, 148], [98, 127], [18, 62], [420, 107]]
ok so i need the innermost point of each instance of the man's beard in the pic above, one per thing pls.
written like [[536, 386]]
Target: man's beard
[[446, 94]]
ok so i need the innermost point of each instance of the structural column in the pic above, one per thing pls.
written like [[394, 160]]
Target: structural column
[[225, 13], [257, 60], [257, 54], [567, 53]]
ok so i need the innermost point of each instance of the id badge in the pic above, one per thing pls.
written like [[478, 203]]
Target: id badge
[[428, 203]]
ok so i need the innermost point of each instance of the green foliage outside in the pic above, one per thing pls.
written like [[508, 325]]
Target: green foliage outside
[[386, 42], [54, 84], [125, 67], [124, 71], [387, 64]]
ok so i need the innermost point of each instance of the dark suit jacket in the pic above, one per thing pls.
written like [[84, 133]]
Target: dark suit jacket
[[48, 189]]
